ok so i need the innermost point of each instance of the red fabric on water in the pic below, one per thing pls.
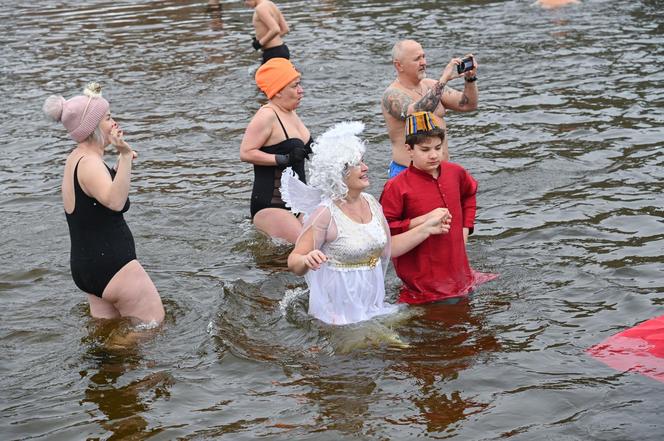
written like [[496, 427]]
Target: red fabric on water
[[638, 349]]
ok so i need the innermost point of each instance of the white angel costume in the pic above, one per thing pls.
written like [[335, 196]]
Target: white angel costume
[[350, 286]]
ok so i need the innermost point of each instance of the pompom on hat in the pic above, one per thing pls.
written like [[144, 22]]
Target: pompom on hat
[[81, 114], [274, 75]]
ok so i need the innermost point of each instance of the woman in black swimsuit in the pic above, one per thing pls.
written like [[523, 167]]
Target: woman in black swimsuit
[[103, 256], [276, 138]]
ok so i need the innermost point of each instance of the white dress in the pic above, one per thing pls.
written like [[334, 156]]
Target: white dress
[[350, 286]]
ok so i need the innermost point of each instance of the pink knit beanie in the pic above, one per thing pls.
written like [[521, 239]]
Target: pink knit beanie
[[81, 114]]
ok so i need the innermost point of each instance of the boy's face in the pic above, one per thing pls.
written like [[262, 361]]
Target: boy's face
[[250, 3], [427, 155]]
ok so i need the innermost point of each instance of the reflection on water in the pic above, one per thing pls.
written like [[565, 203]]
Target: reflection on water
[[450, 339], [566, 146], [215, 10], [122, 402]]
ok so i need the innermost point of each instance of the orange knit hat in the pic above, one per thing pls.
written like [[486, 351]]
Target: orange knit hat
[[274, 75]]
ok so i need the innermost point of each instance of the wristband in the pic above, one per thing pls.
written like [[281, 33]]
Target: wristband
[[471, 79]]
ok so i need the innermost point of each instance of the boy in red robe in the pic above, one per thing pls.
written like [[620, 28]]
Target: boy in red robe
[[438, 268]]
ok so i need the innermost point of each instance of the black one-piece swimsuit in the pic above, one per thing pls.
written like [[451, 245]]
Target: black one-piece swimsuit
[[101, 242], [267, 178]]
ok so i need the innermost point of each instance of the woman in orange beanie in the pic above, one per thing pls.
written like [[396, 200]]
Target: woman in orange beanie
[[276, 138]]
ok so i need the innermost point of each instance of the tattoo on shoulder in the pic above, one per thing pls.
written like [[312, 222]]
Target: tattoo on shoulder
[[396, 103], [430, 100]]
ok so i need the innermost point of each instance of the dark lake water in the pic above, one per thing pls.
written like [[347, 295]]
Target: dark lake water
[[567, 148]]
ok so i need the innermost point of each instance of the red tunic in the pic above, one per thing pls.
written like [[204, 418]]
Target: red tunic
[[438, 268]]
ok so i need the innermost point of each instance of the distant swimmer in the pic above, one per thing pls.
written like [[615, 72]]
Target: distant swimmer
[[270, 26], [214, 9], [553, 4], [95, 196]]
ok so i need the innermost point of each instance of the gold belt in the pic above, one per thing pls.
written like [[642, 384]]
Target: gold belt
[[371, 263]]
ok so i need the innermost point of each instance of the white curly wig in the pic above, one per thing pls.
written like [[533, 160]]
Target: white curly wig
[[333, 152]]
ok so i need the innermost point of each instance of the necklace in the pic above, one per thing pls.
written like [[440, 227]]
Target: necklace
[[419, 92]]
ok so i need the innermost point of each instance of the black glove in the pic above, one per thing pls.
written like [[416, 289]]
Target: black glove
[[256, 44], [296, 155]]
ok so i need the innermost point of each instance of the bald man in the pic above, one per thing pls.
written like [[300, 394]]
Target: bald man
[[412, 92]]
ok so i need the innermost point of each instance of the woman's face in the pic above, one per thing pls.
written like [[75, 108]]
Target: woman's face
[[106, 125], [291, 95], [357, 177]]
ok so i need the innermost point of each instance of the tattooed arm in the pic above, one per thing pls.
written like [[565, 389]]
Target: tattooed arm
[[453, 99], [399, 105], [430, 100], [461, 101]]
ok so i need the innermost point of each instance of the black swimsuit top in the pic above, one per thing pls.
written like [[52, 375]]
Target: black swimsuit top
[[88, 212], [267, 178], [287, 145]]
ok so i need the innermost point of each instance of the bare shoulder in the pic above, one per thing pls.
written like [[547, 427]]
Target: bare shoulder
[[273, 5], [270, 7], [265, 8], [429, 82], [392, 89], [395, 102], [264, 115], [91, 168], [88, 161], [72, 161]]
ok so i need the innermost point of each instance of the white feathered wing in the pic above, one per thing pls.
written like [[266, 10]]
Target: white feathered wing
[[297, 195]]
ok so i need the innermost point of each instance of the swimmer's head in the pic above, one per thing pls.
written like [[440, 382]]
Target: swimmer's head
[[274, 75], [409, 59]]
